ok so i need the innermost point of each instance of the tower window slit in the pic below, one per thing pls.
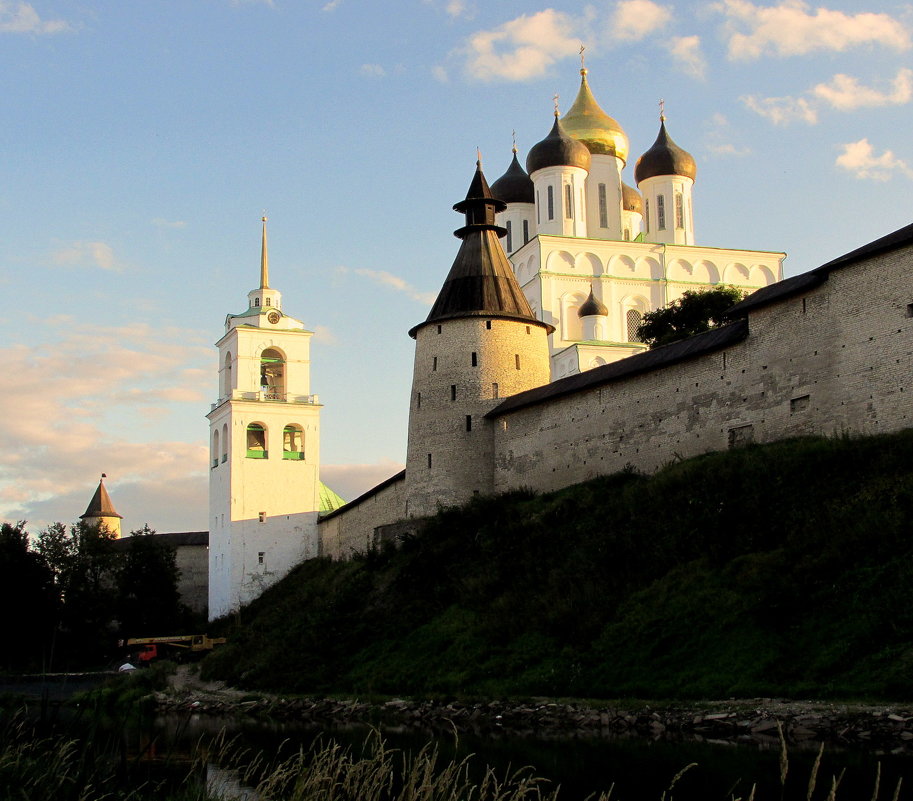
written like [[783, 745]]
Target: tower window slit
[[510, 238], [517, 360], [494, 390], [429, 461], [433, 363], [475, 359], [568, 202], [488, 324], [647, 215], [603, 208], [418, 400], [550, 192], [679, 211], [469, 422], [661, 212], [525, 231], [453, 392]]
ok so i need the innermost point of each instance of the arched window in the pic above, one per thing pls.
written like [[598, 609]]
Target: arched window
[[603, 207], [225, 442], [679, 211], [661, 212], [272, 374], [568, 202], [632, 321], [550, 192], [226, 377], [292, 442], [215, 448], [256, 301], [256, 442]]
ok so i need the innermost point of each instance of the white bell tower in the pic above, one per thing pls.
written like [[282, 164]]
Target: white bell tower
[[264, 435]]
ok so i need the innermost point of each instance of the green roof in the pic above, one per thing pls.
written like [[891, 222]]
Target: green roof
[[329, 500]]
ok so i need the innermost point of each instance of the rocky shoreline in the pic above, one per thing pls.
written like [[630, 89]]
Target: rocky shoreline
[[758, 720]]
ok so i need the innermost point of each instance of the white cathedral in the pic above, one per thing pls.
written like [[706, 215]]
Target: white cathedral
[[588, 256]]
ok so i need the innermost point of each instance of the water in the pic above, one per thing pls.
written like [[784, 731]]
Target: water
[[640, 769]]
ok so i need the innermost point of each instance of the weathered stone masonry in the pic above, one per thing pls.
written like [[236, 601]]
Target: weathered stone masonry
[[827, 352]]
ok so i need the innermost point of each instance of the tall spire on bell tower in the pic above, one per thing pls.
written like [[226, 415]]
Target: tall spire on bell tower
[[264, 259]]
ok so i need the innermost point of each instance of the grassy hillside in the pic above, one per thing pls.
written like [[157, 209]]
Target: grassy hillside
[[783, 569]]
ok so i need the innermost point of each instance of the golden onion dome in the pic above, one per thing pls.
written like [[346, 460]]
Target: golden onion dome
[[587, 122]]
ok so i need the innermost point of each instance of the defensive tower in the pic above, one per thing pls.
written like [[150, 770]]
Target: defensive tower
[[479, 344]]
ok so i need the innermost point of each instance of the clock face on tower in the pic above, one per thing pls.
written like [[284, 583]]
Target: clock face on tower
[[273, 317]]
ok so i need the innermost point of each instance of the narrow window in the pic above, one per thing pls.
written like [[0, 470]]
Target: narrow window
[[429, 461], [261, 556], [603, 208], [679, 211], [434, 364], [439, 329], [517, 360], [627, 235], [418, 400], [647, 216], [262, 517], [494, 390], [215, 448], [661, 212], [256, 301], [527, 329], [804, 308], [453, 392], [525, 231], [225, 443], [551, 202], [469, 422], [632, 321], [269, 302], [488, 324], [256, 442], [568, 202], [510, 238], [475, 359]]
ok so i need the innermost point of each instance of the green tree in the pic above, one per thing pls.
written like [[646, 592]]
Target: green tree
[[27, 599], [148, 602], [693, 313]]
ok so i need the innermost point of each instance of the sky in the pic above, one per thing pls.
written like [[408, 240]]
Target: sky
[[142, 142]]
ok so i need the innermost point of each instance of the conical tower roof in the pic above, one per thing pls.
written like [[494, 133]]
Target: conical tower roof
[[100, 505], [481, 282], [587, 122], [664, 158]]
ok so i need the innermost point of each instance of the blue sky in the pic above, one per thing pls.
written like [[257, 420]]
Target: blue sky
[[142, 142]]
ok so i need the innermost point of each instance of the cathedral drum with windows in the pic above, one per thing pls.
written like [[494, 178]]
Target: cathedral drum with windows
[[264, 486]]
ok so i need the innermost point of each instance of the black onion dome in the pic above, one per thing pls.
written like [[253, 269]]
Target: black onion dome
[[481, 281], [558, 149], [515, 186], [664, 158], [631, 199], [592, 306]]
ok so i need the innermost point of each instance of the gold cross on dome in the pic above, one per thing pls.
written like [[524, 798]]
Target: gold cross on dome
[[582, 64], [662, 110], [555, 98]]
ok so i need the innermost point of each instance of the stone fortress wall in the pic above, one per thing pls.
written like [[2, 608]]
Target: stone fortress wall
[[827, 352]]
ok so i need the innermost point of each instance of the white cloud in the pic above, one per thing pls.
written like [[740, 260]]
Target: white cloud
[[791, 29], [440, 73], [686, 50], [332, 5], [521, 49], [859, 158], [719, 138], [325, 335], [161, 222], [634, 20], [456, 8], [20, 17], [845, 93], [372, 71], [394, 282], [73, 409], [87, 254], [782, 110]]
